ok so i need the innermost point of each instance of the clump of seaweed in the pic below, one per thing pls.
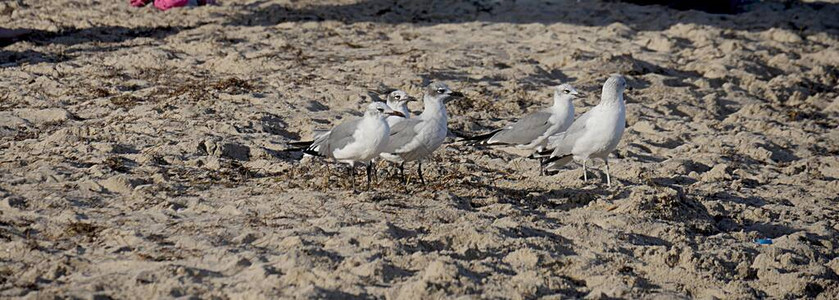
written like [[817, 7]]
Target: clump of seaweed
[[126, 101], [117, 164], [82, 229], [233, 85], [199, 91]]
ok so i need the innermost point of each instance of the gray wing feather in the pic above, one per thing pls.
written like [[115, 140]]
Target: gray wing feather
[[563, 142], [319, 141], [381, 90], [402, 133], [337, 138], [527, 129], [375, 96]]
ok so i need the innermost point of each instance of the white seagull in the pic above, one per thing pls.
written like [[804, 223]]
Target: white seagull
[[398, 100], [531, 132], [416, 138], [595, 134], [359, 140]]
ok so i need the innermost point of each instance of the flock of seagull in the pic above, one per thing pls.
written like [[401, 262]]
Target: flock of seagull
[[388, 132]]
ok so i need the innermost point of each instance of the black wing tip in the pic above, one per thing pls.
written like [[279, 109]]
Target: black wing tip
[[311, 152], [478, 139], [541, 154], [554, 158], [301, 144]]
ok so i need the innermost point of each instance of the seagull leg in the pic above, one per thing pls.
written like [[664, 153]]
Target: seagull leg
[[419, 170], [608, 176], [369, 173], [402, 172], [541, 166], [372, 168], [585, 175]]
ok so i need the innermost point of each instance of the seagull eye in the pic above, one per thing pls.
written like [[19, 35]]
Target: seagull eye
[[566, 91], [381, 109], [397, 97], [441, 91]]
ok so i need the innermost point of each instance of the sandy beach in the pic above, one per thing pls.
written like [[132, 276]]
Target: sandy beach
[[141, 152]]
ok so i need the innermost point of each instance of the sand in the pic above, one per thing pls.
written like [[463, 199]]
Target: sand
[[141, 152]]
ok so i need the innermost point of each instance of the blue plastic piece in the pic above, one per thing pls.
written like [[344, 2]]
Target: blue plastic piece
[[764, 241]]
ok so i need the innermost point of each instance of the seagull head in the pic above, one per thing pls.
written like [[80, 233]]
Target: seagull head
[[398, 98], [381, 110], [440, 91], [614, 85], [567, 91], [613, 89]]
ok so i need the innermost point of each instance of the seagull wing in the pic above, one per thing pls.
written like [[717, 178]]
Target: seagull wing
[[401, 134], [562, 143], [525, 131], [337, 138]]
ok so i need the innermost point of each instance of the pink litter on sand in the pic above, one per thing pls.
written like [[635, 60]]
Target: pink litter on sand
[[140, 3], [167, 4]]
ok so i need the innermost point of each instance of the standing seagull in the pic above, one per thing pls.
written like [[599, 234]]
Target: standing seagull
[[398, 100], [416, 138], [395, 98], [531, 132], [356, 141], [594, 134]]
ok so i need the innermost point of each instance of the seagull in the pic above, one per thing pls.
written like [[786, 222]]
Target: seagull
[[416, 138], [358, 140], [531, 132], [594, 134], [398, 100]]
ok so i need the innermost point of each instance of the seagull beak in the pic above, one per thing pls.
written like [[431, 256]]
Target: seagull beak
[[579, 94], [395, 113], [410, 98], [456, 95]]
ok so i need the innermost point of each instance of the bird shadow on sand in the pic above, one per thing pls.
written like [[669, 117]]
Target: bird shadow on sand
[[559, 246], [104, 37], [102, 34], [735, 223], [275, 125], [318, 292], [533, 81], [555, 199], [723, 14], [687, 207], [13, 58]]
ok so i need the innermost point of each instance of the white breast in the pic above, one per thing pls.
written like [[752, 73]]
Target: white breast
[[603, 132], [369, 139]]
